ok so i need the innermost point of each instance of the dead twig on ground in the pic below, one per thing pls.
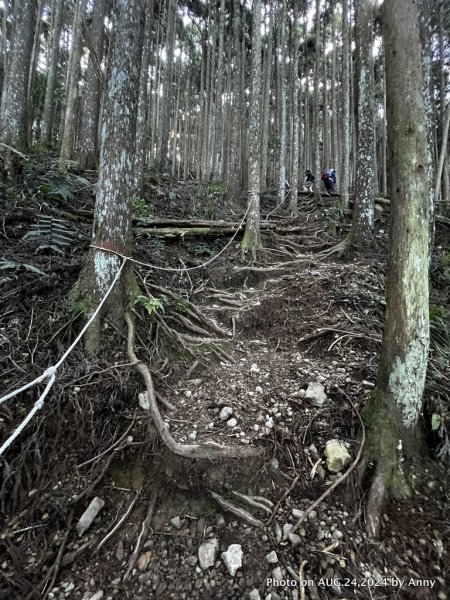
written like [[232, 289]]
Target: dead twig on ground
[[282, 499], [142, 535], [119, 522], [236, 510]]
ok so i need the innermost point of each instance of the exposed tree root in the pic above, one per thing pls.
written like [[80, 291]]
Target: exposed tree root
[[207, 450], [339, 249]]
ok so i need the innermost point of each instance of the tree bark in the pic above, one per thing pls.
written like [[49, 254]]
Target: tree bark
[[88, 151], [14, 126], [117, 181], [73, 74], [392, 415], [364, 209], [49, 109], [252, 237]]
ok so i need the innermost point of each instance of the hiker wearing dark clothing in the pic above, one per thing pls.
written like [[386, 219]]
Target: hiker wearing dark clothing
[[329, 179], [309, 180]]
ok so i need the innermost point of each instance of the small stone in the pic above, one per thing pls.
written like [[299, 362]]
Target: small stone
[[337, 535], [337, 455], [254, 368], [277, 573], [367, 384], [233, 558], [69, 587], [258, 389], [225, 413], [97, 596], [87, 518], [269, 423], [315, 392], [254, 595], [143, 401], [176, 522], [207, 553], [144, 561], [192, 436], [232, 422], [294, 539], [191, 560], [272, 557], [287, 530], [297, 513]]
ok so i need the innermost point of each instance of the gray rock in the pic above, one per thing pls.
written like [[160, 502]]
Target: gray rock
[[87, 518], [225, 413], [191, 560], [233, 558], [294, 539], [176, 522], [287, 530], [278, 533], [337, 455], [297, 513], [254, 595], [272, 557], [315, 393], [192, 436], [97, 596], [338, 535], [277, 573], [207, 553], [232, 422]]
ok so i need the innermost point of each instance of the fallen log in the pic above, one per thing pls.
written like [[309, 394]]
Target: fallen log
[[181, 232]]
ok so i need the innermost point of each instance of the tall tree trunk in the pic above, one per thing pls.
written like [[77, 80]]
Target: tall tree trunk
[[392, 415], [49, 108], [296, 124], [117, 179], [143, 106], [252, 238], [73, 75], [266, 100], [363, 213], [88, 151], [345, 174], [167, 93], [14, 126], [282, 106], [217, 170], [316, 106]]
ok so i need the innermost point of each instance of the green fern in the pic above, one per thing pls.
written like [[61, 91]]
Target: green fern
[[11, 265], [53, 234]]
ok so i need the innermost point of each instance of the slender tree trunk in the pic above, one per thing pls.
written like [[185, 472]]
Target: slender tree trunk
[[167, 94], [49, 109], [363, 213], [282, 158], [296, 117], [143, 105], [14, 126], [117, 179], [72, 86], [345, 175], [266, 100], [252, 238], [217, 170], [316, 107], [392, 415], [93, 88]]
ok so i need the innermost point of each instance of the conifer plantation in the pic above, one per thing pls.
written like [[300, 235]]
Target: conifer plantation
[[224, 299]]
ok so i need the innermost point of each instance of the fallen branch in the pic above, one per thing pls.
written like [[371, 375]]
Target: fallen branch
[[142, 536], [238, 512], [119, 522], [282, 499]]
